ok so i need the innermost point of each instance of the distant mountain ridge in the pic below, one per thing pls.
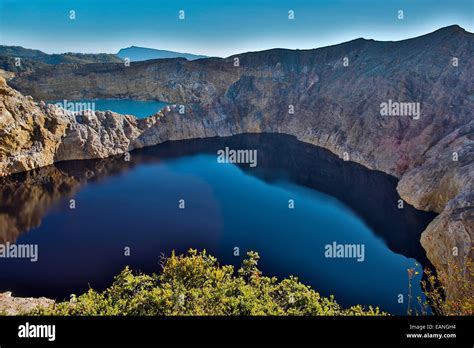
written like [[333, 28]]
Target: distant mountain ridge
[[57, 58], [137, 54]]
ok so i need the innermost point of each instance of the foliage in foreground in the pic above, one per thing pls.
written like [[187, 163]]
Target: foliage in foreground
[[195, 284], [435, 289]]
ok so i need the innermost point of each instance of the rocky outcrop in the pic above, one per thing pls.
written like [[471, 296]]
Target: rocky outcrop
[[29, 137], [99, 135], [448, 240], [10, 305], [446, 172], [318, 96], [34, 135], [444, 183]]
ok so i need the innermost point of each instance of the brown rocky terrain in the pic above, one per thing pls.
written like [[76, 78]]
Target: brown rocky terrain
[[10, 305], [29, 138], [335, 106]]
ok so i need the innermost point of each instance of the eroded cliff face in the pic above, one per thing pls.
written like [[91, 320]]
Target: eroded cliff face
[[29, 137], [448, 240], [35, 134], [335, 106], [444, 183], [169, 80]]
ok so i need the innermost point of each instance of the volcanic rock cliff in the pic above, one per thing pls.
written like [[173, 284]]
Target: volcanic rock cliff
[[330, 97]]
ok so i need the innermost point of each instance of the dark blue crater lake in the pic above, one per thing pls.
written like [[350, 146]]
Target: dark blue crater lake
[[138, 108], [135, 204]]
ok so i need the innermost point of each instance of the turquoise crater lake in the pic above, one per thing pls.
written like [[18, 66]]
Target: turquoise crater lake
[[138, 108], [136, 204]]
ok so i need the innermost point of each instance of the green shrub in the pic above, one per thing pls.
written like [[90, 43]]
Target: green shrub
[[435, 289], [195, 284]]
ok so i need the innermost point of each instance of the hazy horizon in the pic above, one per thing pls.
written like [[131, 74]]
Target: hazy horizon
[[194, 53], [216, 27]]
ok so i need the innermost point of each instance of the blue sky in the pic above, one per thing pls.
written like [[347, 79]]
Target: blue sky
[[219, 27]]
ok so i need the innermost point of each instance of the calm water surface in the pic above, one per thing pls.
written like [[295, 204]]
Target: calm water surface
[[135, 204], [138, 108]]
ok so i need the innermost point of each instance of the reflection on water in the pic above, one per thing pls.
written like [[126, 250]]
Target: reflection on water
[[37, 201]]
